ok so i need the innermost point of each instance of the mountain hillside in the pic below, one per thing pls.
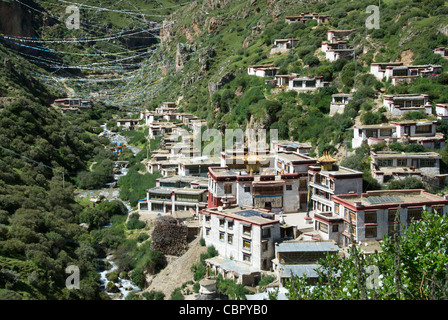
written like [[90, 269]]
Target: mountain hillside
[[133, 55]]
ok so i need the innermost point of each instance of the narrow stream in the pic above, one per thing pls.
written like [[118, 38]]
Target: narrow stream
[[123, 286]]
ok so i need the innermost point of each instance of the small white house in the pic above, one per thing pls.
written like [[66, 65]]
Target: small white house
[[338, 35], [402, 103], [442, 111], [338, 102], [307, 83], [389, 165], [442, 51], [264, 70], [283, 45]]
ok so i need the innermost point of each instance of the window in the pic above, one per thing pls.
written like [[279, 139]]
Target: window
[[349, 228], [230, 225], [335, 228], [246, 244], [266, 233], [385, 163], [323, 227], [391, 215], [414, 214], [246, 189], [402, 162], [207, 231], [336, 208], [221, 223], [246, 257], [349, 214], [391, 228], [246, 230], [372, 133], [370, 217], [186, 197], [230, 238], [427, 162], [423, 129], [221, 236], [370, 231], [207, 218], [227, 188], [385, 132], [288, 187]]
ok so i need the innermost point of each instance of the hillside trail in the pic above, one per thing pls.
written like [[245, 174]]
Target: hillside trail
[[177, 272]]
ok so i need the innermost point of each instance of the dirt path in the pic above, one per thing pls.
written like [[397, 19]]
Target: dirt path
[[177, 272]]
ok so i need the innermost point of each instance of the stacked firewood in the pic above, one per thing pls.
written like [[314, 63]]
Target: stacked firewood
[[169, 236]]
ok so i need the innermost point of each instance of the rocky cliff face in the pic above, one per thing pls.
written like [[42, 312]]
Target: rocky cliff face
[[15, 20], [19, 19]]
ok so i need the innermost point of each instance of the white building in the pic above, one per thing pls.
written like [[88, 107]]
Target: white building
[[378, 69], [127, 124], [283, 45], [327, 180], [301, 258], [263, 70], [373, 134], [389, 165], [245, 236], [307, 83], [339, 35], [421, 132], [442, 111], [171, 199], [402, 103], [371, 215], [442, 51], [338, 102], [398, 72], [293, 162], [293, 146], [282, 80], [303, 17], [167, 107], [266, 190]]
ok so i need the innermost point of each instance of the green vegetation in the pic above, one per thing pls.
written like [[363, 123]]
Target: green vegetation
[[134, 184], [39, 218], [153, 295], [134, 222], [409, 267]]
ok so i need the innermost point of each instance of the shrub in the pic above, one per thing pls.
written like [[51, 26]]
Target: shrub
[[406, 183], [134, 222], [177, 294], [154, 295]]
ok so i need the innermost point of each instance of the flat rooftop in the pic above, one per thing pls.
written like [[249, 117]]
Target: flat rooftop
[[337, 170], [166, 190], [223, 172], [391, 154], [248, 214], [392, 197], [306, 246], [293, 156]]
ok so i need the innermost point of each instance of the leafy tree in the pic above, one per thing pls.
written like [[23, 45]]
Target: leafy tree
[[412, 265], [406, 183]]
